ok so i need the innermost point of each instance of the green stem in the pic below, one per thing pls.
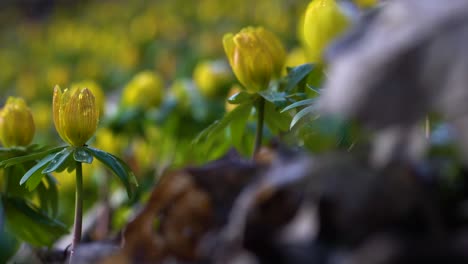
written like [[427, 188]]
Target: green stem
[[78, 209], [260, 116]]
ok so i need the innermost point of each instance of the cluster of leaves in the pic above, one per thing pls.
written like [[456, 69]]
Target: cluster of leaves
[[290, 106]]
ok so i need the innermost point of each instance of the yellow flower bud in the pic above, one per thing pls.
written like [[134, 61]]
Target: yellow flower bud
[[256, 56], [95, 90], [211, 76], [323, 22], [76, 114], [16, 123], [144, 90]]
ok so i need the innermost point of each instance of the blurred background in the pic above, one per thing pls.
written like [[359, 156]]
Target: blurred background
[[170, 50], [49, 42]]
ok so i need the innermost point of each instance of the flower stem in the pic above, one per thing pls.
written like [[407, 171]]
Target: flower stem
[[260, 116], [78, 209]]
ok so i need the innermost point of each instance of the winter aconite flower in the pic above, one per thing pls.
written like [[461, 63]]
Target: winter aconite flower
[[323, 22], [144, 90], [16, 123], [76, 114], [256, 57], [96, 90]]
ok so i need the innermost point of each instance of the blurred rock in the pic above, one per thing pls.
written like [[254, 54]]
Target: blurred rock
[[402, 62]]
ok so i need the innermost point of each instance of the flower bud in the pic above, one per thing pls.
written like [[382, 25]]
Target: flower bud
[[16, 123], [211, 77], [256, 57], [96, 90], [76, 114], [144, 90], [323, 22]]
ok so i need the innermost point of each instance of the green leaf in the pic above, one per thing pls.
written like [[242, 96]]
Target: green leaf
[[279, 99], [219, 125], [237, 126], [117, 166], [31, 173], [7, 153], [60, 159], [81, 155], [276, 121], [296, 75], [301, 114], [35, 156], [240, 97], [300, 103], [30, 224], [313, 89], [48, 194]]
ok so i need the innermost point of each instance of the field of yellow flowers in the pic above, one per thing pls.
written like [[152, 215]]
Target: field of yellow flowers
[[178, 131]]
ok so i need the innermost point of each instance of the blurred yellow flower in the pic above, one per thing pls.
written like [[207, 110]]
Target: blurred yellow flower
[[16, 123], [76, 115], [182, 90], [143, 28], [366, 3], [256, 57], [295, 57], [41, 113], [211, 76], [323, 22], [110, 142], [27, 85], [143, 153], [144, 90], [57, 75]]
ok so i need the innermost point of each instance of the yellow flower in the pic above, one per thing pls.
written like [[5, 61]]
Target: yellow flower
[[110, 142], [323, 22], [95, 90], [211, 76], [144, 90], [16, 123], [256, 57], [76, 115]]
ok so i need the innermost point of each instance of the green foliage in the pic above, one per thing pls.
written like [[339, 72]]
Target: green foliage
[[34, 175], [297, 75], [117, 166], [239, 113], [30, 224]]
